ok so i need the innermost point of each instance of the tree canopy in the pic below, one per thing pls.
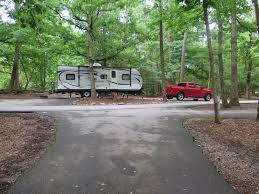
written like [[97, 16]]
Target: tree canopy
[[37, 36]]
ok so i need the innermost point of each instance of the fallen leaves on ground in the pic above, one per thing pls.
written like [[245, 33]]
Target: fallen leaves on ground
[[23, 136], [241, 107], [233, 146], [118, 101]]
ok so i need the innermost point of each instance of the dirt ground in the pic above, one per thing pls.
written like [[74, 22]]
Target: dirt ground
[[119, 100], [21, 95], [241, 107], [23, 138], [233, 147]]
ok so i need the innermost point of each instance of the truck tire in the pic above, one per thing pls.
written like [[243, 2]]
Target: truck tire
[[85, 94], [207, 97], [180, 96], [169, 97]]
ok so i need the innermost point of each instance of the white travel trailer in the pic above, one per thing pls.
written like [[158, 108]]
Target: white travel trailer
[[107, 80]]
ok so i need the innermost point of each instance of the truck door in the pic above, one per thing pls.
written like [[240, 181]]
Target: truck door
[[191, 90], [199, 91], [113, 80]]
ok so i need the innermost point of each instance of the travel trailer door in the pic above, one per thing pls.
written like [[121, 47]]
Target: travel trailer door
[[113, 79]]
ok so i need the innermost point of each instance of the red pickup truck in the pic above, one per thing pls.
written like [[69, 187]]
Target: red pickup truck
[[188, 90]]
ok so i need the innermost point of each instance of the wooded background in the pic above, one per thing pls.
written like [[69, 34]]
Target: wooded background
[[36, 36]]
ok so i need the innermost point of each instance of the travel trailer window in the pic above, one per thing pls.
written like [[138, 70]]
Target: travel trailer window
[[103, 76], [125, 77], [70, 77], [113, 74]]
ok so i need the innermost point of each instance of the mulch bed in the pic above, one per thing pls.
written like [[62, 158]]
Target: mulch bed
[[233, 147], [19, 95], [241, 107], [23, 138], [119, 101]]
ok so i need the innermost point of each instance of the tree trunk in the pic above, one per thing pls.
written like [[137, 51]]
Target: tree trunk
[[211, 59], [170, 57], [14, 82], [249, 71], [257, 118], [28, 79], [234, 98], [161, 35], [183, 60], [256, 13], [220, 60], [90, 58]]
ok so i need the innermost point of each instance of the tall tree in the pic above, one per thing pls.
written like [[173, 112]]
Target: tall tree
[[161, 40], [14, 82], [256, 13], [234, 97], [257, 22], [211, 60], [220, 61], [90, 56], [84, 16], [183, 59], [249, 64], [27, 14], [171, 57]]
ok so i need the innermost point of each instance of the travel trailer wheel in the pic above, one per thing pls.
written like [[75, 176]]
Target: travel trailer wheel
[[86, 94]]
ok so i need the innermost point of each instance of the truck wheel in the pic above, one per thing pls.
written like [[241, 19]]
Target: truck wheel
[[207, 97], [180, 96], [86, 94], [169, 97]]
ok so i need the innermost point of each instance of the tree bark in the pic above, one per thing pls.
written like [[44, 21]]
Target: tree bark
[[171, 57], [234, 98], [211, 59], [27, 77], [257, 22], [256, 13], [183, 59], [90, 58], [161, 36], [14, 82], [220, 61], [249, 70]]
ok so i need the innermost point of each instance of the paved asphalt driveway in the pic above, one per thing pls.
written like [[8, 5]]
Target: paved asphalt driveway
[[128, 150]]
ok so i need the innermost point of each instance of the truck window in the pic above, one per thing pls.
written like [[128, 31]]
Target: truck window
[[182, 84], [191, 85], [113, 74], [125, 77], [198, 86], [70, 77]]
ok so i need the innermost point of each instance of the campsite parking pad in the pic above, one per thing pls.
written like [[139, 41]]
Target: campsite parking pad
[[126, 151]]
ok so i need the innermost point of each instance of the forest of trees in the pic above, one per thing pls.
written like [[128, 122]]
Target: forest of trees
[[210, 42]]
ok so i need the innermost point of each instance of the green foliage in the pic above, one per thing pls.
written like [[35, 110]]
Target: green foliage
[[126, 33]]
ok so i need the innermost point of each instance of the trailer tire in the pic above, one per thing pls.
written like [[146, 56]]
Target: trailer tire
[[85, 94]]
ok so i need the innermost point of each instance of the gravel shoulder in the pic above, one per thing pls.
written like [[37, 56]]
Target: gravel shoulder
[[233, 147], [23, 138]]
